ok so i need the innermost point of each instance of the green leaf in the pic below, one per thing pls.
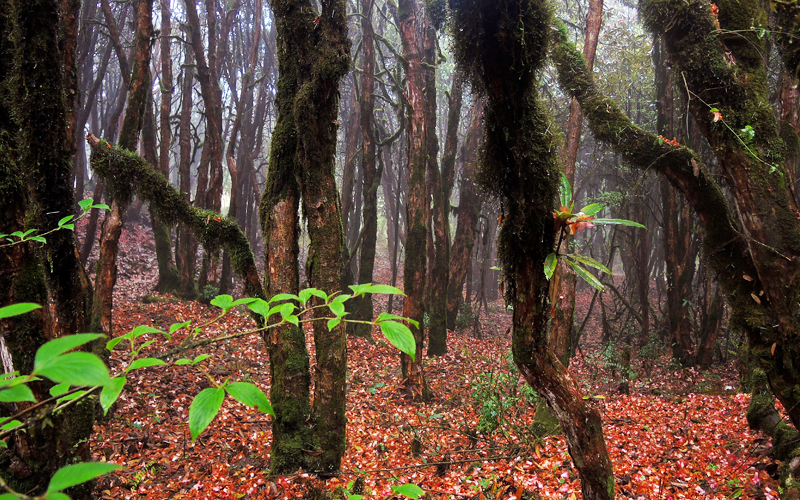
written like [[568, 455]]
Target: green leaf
[[101, 206], [183, 362], [61, 345], [10, 425], [200, 358], [16, 394], [111, 344], [65, 220], [337, 308], [408, 490], [319, 293], [203, 410], [224, 302], [588, 261], [339, 299], [286, 310], [260, 306], [385, 289], [333, 323], [550, 263], [243, 301], [250, 395], [284, 296], [565, 190], [42, 239], [591, 209], [75, 368], [292, 319], [86, 204], [399, 336], [587, 276], [619, 222], [59, 389], [70, 475], [304, 295], [142, 330], [7, 496], [177, 326], [144, 363], [359, 289], [56, 495], [17, 309], [384, 316], [70, 397], [111, 392]]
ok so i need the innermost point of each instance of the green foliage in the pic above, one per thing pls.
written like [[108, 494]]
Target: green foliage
[[497, 393]]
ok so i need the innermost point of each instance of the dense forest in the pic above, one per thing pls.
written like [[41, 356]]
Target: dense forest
[[335, 249]]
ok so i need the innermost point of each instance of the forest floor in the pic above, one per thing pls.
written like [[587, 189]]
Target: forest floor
[[679, 434]]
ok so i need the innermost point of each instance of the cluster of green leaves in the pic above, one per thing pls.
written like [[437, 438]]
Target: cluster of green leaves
[[67, 223], [567, 221], [78, 374]]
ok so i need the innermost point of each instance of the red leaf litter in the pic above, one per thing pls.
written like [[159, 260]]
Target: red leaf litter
[[680, 434]]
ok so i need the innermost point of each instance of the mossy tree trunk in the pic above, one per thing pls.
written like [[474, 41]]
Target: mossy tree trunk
[[362, 309], [470, 200], [289, 359], [318, 56], [439, 221], [36, 192], [412, 25], [503, 61], [754, 254]]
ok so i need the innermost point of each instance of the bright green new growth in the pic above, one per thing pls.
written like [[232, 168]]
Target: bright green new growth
[[566, 221]]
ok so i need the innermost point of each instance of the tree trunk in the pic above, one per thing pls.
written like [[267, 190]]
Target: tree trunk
[[362, 309], [519, 154], [186, 248], [469, 206], [439, 219], [412, 25], [102, 305], [288, 356], [36, 145], [563, 286], [320, 49], [168, 277]]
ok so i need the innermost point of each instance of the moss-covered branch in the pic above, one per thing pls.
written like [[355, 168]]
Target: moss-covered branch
[[127, 174], [724, 242]]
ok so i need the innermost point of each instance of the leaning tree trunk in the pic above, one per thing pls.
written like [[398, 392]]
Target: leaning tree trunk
[[102, 305], [520, 167], [412, 26]]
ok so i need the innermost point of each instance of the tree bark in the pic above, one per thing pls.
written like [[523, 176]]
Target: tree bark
[[412, 25], [102, 305], [186, 248], [518, 154], [439, 239], [469, 206], [362, 309]]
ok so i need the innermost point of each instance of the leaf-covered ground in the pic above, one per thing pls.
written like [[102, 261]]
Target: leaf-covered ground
[[680, 434]]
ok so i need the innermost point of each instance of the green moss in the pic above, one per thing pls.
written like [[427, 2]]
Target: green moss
[[126, 173]]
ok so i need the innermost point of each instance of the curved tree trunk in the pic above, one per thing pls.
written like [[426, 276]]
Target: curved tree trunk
[[518, 155]]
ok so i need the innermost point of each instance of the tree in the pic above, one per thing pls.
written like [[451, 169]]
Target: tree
[[502, 60], [35, 193], [314, 55], [752, 242]]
